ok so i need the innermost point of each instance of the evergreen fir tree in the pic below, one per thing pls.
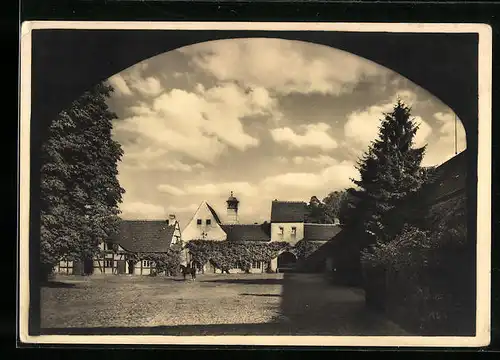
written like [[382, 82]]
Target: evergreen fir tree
[[80, 192], [389, 172]]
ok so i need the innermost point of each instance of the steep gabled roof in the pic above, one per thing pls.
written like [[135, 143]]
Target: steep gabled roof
[[320, 232], [247, 232], [147, 236], [288, 211], [214, 214], [449, 178]]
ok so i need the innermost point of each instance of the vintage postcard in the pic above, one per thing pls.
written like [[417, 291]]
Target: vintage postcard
[[233, 183]]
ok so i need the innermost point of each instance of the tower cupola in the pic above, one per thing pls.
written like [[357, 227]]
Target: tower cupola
[[232, 209]]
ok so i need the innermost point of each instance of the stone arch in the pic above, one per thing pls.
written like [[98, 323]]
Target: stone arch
[[153, 43], [286, 260]]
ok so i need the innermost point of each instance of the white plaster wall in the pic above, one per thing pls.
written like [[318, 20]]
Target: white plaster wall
[[193, 231], [287, 232], [274, 264]]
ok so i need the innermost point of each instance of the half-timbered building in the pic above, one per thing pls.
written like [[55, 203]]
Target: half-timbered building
[[121, 254]]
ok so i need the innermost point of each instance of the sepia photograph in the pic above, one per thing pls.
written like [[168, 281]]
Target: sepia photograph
[[246, 183]]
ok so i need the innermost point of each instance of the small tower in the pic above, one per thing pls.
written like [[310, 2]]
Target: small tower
[[232, 209]]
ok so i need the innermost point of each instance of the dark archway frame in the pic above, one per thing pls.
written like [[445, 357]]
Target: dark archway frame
[[65, 63]]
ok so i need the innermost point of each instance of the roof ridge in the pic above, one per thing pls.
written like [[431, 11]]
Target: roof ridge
[[321, 224], [242, 224], [144, 220]]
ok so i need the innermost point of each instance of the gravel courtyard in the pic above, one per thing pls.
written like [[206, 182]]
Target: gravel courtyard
[[235, 304]]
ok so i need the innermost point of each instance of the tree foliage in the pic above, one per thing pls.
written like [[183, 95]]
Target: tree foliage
[[389, 172], [336, 203], [80, 192], [226, 255], [318, 212], [303, 248]]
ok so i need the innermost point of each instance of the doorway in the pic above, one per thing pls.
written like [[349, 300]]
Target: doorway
[[88, 266], [120, 267], [286, 261], [131, 266]]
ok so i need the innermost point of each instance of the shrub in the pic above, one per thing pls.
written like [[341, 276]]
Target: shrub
[[419, 273]]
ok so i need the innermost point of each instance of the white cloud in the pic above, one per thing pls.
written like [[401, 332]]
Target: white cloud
[[282, 66], [133, 79], [148, 86], [120, 85], [442, 148], [170, 189], [333, 177], [243, 188], [362, 126], [210, 189], [320, 160], [140, 156], [200, 125], [315, 135], [282, 159], [182, 209], [141, 210]]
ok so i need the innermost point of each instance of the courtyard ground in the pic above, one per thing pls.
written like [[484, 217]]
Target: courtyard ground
[[234, 304]]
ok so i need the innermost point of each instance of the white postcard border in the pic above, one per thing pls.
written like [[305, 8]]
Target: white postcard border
[[482, 337]]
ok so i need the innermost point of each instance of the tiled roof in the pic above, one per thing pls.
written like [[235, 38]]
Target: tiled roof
[[288, 211], [244, 232], [144, 236], [214, 214], [450, 177], [320, 232]]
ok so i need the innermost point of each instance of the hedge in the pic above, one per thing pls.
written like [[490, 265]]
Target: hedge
[[420, 279]]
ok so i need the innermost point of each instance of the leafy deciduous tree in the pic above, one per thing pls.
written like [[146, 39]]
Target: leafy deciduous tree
[[80, 192]]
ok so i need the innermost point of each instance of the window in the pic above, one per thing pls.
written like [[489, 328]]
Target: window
[[108, 263], [146, 263], [66, 267], [208, 221], [255, 264], [198, 222], [281, 230], [294, 231]]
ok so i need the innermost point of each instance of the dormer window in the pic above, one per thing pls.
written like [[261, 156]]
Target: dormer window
[[198, 222], [208, 221]]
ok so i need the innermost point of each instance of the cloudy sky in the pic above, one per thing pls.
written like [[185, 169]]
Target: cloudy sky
[[265, 118]]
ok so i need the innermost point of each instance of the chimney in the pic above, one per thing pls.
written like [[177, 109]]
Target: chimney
[[171, 219]]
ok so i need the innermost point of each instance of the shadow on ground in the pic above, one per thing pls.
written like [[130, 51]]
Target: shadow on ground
[[255, 281], [309, 305], [57, 284], [181, 330]]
